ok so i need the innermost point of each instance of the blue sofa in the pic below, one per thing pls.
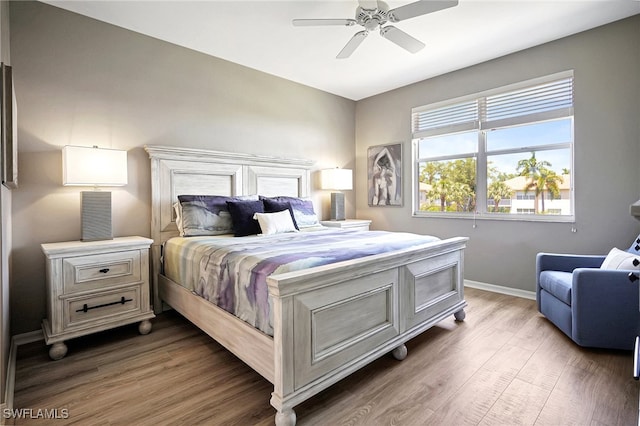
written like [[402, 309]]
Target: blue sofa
[[595, 307]]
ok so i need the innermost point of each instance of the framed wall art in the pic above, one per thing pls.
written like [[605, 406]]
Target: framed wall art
[[384, 175], [8, 129]]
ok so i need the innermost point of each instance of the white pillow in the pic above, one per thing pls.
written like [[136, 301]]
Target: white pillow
[[275, 223], [618, 259], [178, 209]]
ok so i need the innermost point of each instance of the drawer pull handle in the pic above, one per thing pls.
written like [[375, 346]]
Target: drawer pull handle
[[86, 308], [104, 270]]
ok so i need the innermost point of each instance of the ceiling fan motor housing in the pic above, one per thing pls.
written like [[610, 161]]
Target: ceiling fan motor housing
[[371, 19]]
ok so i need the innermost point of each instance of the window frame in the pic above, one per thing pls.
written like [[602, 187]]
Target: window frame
[[482, 211]]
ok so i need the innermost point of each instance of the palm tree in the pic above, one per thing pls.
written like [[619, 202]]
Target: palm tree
[[430, 172], [451, 183], [463, 173], [441, 190], [533, 170], [550, 181], [496, 192]]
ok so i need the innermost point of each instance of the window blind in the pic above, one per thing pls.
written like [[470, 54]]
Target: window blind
[[449, 119], [528, 104], [536, 103]]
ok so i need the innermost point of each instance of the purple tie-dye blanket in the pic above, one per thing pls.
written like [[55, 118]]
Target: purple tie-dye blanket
[[232, 273]]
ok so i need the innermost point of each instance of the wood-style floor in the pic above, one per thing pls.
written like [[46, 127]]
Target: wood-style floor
[[505, 365]]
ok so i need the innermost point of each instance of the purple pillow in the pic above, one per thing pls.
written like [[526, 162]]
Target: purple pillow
[[242, 217]]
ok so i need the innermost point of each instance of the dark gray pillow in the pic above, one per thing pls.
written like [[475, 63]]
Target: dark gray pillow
[[242, 217]]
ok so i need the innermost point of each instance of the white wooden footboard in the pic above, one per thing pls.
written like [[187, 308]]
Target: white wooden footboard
[[333, 320]]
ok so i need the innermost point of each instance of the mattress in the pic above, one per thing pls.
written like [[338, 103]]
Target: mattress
[[231, 272]]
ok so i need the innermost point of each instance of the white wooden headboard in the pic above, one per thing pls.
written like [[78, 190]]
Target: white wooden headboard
[[181, 171]]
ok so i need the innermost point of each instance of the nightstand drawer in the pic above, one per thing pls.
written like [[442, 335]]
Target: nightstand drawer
[[99, 271], [101, 306]]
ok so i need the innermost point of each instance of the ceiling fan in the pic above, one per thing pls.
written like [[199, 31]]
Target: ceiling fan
[[373, 14]]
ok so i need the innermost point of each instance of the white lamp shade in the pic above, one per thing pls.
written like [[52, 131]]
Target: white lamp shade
[[336, 179], [92, 166]]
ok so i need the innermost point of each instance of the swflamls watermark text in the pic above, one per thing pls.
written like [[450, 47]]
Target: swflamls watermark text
[[35, 413]]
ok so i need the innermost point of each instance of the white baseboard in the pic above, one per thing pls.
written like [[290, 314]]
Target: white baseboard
[[30, 337], [501, 289], [16, 341]]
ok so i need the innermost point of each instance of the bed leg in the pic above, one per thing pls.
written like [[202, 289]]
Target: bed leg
[[286, 417], [400, 352], [460, 315]]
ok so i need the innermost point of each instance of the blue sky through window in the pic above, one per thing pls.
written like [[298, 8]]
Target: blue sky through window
[[528, 136]]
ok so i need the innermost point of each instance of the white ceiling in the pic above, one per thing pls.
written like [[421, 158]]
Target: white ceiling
[[259, 35]]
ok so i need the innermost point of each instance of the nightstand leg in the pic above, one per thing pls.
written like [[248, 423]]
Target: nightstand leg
[[57, 351], [144, 327], [400, 352]]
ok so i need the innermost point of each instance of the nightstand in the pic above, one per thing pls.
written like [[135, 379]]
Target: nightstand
[[94, 286], [355, 224]]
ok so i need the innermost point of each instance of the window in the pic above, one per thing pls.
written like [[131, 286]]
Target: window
[[506, 153]]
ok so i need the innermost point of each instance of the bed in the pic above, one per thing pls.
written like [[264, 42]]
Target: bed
[[326, 321]]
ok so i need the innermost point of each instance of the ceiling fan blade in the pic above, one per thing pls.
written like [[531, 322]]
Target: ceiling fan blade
[[315, 22], [352, 44], [368, 4], [418, 8], [401, 38]]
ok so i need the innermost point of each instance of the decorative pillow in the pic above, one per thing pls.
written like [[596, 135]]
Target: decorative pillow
[[635, 246], [303, 212], [275, 223], [618, 259], [273, 206], [242, 213], [205, 214], [178, 209]]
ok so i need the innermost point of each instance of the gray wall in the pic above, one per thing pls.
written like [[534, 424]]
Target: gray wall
[[83, 82], [606, 64]]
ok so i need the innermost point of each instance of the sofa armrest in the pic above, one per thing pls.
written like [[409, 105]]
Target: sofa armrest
[[604, 308], [566, 262]]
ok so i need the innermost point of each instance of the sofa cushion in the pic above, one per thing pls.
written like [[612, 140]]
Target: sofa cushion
[[558, 284]]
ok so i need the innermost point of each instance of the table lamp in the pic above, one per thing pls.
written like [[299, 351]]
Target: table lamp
[[93, 166], [336, 180]]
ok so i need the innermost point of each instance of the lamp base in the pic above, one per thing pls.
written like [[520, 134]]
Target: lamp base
[[96, 216], [337, 206]]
